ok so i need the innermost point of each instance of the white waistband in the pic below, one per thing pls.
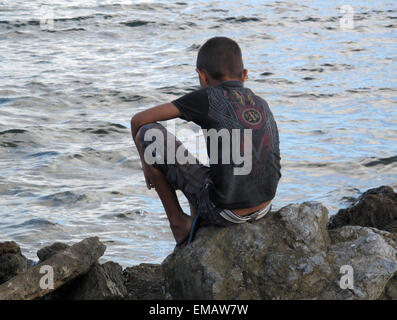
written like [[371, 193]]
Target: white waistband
[[232, 217]]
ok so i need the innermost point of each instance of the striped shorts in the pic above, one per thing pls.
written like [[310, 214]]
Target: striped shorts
[[194, 180]]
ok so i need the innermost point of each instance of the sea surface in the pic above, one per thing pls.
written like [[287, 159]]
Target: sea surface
[[72, 73]]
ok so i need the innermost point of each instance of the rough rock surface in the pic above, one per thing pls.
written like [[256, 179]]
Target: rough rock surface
[[47, 252], [101, 282], [294, 253], [390, 292], [144, 282], [12, 262], [377, 208], [372, 254], [9, 247], [374, 208], [289, 254], [66, 265]]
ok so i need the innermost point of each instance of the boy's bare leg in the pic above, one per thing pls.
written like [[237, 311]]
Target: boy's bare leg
[[180, 222]]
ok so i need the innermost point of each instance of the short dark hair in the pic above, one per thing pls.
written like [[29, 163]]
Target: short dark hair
[[220, 57]]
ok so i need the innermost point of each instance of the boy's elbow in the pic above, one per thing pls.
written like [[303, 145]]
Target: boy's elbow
[[133, 122], [135, 125]]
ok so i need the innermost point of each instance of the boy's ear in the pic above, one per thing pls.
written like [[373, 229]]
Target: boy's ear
[[203, 76], [244, 76]]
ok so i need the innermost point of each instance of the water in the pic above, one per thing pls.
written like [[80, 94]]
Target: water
[[68, 168]]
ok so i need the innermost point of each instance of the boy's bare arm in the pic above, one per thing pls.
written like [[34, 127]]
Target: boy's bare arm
[[161, 112]]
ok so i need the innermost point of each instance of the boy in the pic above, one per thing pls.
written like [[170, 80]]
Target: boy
[[218, 195]]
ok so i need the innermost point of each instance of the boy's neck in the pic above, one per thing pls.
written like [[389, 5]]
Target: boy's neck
[[217, 82], [206, 79]]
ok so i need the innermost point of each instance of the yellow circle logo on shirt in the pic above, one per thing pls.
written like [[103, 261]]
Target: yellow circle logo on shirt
[[252, 116]]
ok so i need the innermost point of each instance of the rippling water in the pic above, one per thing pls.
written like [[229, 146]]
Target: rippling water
[[68, 168]]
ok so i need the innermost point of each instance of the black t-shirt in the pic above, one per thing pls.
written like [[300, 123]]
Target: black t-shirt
[[243, 178]]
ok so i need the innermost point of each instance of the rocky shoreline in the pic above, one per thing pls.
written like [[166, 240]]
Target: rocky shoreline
[[293, 253]]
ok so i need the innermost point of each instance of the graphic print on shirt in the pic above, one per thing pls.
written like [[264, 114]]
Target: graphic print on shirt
[[239, 109]]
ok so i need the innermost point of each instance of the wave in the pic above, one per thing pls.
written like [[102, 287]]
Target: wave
[[36, 22], [44, 154], [5, 100], [13, 131], [34, 223], [106, 129], [136, 23], [19, 24], [312, 95], [13, 138], [62, 198], [239, 19], [381, 161]]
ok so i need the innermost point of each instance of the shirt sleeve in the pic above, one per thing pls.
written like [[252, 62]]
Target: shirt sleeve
[[193, 106]]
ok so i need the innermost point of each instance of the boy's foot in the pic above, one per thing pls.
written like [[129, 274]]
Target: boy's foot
[[183, 243], [189, 238]]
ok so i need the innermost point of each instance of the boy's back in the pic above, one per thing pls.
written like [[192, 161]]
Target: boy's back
[[233, 107]]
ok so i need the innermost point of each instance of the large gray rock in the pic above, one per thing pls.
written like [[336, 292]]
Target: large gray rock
[[12, 262], [66, 265], [289, 254]]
